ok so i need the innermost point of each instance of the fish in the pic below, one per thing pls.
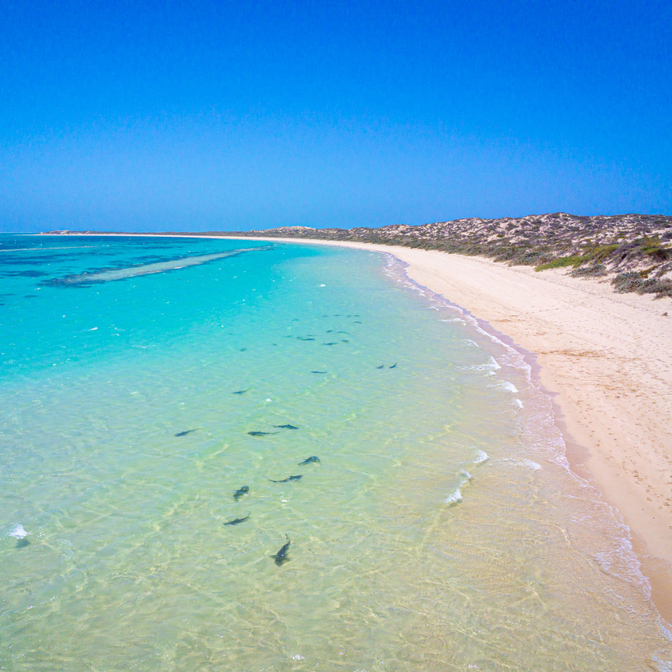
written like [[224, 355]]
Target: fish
[[185, 432], [286, 426], [394, 366], [345, 340], [332, 343], [382, 366], [329, 331], [301, 338], [318, 372], [242, 491], [313, 459], [281, 555], [262, 433], [241, 391], [287, 480], [238, 521]]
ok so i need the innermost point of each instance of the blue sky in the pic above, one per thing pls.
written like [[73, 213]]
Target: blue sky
[[215, 115]]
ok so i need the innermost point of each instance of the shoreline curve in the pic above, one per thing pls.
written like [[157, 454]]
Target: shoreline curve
[[604, 358]]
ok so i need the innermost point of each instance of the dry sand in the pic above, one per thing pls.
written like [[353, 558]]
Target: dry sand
[[606, 357]]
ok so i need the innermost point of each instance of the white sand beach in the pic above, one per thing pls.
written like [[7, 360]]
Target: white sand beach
[[606, 358]]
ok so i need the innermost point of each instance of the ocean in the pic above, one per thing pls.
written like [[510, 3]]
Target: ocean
[[162, 399]]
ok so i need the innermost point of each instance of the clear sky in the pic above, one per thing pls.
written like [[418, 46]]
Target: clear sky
[[171, 115]]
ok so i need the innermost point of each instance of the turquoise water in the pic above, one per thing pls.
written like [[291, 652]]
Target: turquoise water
[[440, 530]]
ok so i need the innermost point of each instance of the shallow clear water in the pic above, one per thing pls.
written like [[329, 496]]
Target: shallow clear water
[[409, 549]]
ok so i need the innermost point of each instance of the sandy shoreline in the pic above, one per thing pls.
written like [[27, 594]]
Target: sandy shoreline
[[606, 358]]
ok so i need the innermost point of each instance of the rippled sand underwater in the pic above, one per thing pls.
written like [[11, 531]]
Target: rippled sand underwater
[[440, 529]]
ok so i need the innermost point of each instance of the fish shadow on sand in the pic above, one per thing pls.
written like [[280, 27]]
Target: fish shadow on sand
[[262, 433], [242, 491], [281, 556], [288, 479], [313, 459], [185, 432], [238, 521]]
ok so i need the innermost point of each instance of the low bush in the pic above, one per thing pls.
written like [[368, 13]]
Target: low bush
[[593, 270], [634, 282]]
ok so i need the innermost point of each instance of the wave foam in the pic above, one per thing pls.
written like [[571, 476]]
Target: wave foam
[[454, 497], [18, 532], [490, 366], [481, 456]]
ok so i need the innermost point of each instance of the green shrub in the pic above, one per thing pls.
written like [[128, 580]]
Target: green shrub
[[561, 262]]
